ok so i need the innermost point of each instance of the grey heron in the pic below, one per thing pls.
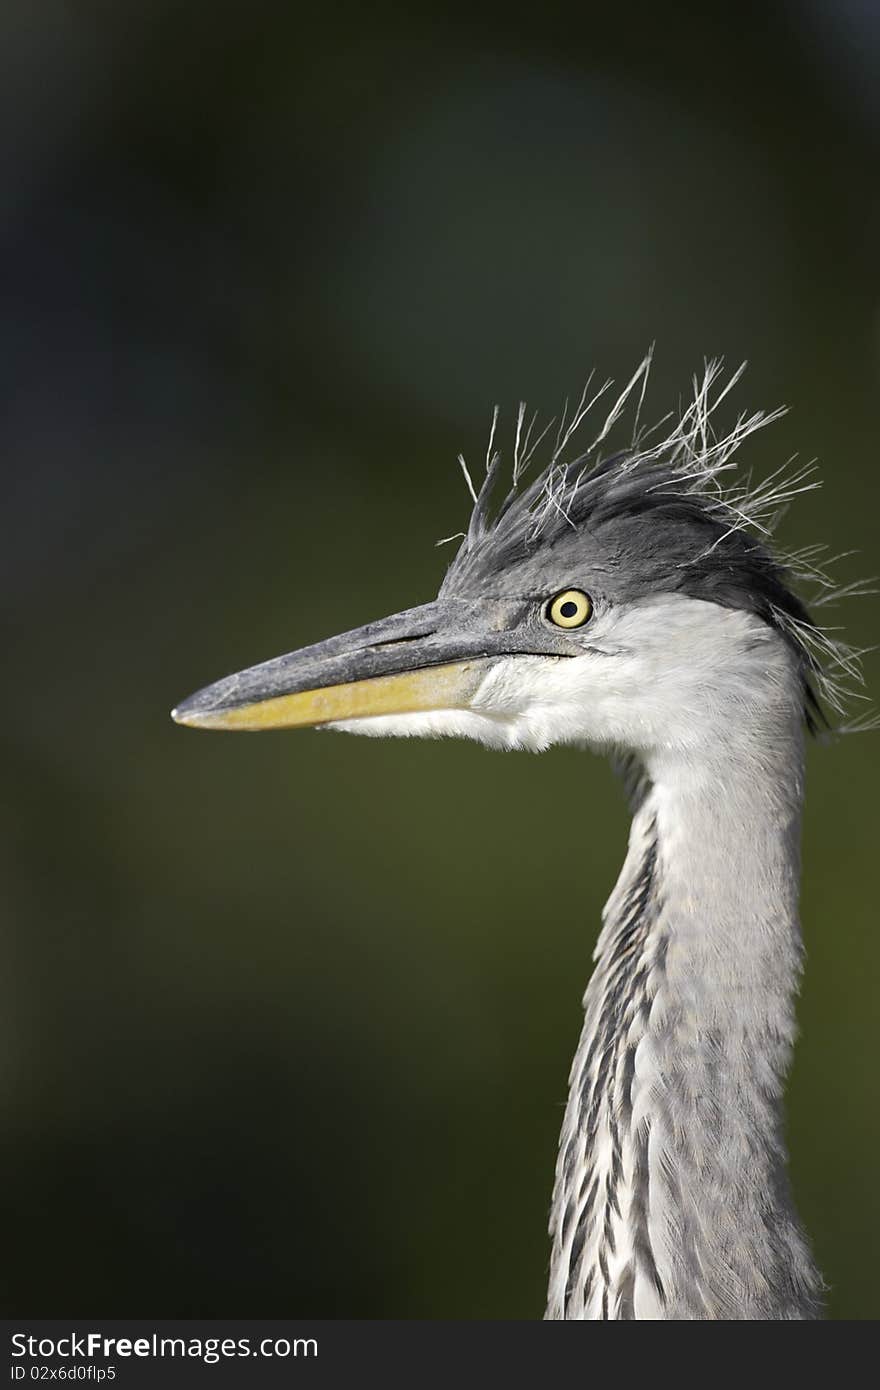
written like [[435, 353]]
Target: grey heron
[[629, 600]]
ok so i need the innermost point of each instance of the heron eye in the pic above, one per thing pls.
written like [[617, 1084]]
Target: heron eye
[[571, 608]]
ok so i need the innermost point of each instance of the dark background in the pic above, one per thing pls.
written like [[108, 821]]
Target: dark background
[[287, 1020]]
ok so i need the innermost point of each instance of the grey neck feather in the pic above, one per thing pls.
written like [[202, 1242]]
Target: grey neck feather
[[671, 1196]]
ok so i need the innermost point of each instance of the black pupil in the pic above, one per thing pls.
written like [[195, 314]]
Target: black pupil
[[568, 609]]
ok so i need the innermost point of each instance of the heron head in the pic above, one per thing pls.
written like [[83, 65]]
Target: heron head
[[624, 602]]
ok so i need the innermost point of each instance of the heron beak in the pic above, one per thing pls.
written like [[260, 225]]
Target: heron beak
[[440, 687], [423, 659]]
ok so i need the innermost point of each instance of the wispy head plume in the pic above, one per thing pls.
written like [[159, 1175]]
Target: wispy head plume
[[684, 472]]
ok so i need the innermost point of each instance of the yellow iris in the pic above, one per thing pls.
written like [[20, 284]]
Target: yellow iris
[[571, 608]]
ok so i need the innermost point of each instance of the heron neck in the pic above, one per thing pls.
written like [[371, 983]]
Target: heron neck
[[671, 1196]]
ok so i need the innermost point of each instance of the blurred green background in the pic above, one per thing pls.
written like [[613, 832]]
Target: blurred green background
[[287, 1020]]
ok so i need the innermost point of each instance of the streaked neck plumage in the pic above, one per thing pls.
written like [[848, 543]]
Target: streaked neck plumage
[[671, 1198]]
